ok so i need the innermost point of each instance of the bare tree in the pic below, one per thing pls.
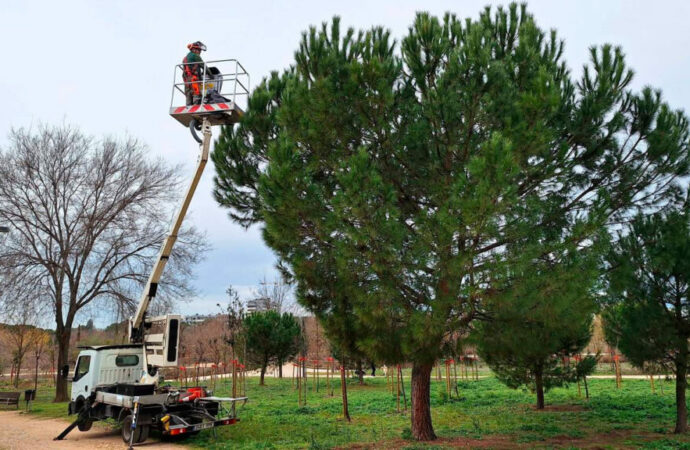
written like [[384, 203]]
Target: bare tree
[[40, 341], [276, 295], [18, 338], [86, 219]]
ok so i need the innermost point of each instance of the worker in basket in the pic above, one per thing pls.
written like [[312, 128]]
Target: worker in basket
[[193, 72]]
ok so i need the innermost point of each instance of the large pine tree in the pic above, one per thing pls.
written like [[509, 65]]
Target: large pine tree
[[398, 183]]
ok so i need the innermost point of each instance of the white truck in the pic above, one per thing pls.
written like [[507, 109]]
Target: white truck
[[122, 382]]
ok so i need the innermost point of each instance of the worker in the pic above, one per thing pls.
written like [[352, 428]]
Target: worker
[[193, 72]]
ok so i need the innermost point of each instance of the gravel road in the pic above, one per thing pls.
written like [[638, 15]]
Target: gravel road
[[21, 431]]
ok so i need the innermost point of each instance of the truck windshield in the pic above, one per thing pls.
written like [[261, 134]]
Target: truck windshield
[[82, 367]]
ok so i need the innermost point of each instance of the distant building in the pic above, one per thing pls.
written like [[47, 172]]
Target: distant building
[[198, 318], [260, 304]]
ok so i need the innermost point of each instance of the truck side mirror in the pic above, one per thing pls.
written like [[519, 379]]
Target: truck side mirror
[[64, 372]]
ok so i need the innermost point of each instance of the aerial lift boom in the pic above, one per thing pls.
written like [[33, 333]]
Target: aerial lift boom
[[137, 322]]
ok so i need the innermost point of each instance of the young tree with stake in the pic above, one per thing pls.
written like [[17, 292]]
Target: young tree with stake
[[534, 325], [649, 289]]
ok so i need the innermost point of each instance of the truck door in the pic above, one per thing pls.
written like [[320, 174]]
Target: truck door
[[81, 382]]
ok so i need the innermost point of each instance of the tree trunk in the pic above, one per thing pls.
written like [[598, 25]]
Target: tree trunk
[[373, 369], [539, 382], [263, 372], [36, 375], [681, 386], [280, 369], [360, 372], [343, 389], [422, 429], [63, 337], [19, 368]]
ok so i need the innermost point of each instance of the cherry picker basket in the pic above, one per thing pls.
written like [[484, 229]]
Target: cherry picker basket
[[223, 84]]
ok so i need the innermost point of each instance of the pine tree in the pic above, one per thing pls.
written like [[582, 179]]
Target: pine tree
[[402, 184], [271, 338], [535, 328], [649, 284]]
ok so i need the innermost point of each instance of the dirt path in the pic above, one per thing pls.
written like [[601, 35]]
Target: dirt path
[[21, 431]]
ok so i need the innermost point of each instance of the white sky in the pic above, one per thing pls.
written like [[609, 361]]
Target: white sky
[[107, 67]]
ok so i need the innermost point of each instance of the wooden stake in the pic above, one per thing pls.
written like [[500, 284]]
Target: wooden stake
[[317, 375], [299, 390], [402, 385], [243, 373], [234, 378], [455, 378], [448, 377], [292, 376], [397, 390], [306, 379]]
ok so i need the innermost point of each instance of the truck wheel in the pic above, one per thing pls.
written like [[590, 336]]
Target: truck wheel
[[144, 434], [127, 430], [85, 425]]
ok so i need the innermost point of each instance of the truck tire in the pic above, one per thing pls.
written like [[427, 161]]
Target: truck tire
[[85, 425], [127, 430], [144, 434]]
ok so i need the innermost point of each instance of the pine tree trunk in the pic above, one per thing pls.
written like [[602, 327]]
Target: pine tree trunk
[[539, 381], [263, 372], [63, 337], [422, 429], [343, 388], [280, 369], [681, 386]]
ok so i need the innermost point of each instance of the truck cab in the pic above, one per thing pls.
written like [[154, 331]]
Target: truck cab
[[104, 365]]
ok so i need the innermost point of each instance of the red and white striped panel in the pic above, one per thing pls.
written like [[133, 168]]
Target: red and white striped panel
[[202, 108]]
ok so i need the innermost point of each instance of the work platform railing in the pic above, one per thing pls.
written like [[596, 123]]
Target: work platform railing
[[226, 76]]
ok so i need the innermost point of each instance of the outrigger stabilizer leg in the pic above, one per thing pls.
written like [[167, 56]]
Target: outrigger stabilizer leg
[[82, 417]]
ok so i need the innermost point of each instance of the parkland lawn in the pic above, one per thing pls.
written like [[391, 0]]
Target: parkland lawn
[[486, 414]]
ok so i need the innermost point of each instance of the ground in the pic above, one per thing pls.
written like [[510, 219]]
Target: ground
[[20, 431], [486, 414]]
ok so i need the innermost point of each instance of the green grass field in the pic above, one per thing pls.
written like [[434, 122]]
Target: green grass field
[[485, 411], [486, 414]]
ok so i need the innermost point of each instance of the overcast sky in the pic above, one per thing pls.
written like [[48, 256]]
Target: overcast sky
[[107, 67]]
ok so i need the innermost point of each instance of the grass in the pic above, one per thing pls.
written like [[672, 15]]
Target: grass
[[485, 410], [43, 405]]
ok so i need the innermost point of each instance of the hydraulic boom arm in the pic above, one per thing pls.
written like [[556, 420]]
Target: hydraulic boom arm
[[136, 325]]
